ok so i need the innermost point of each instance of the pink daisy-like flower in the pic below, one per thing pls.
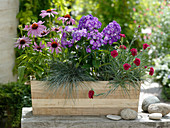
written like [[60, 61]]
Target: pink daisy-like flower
[[45, 32], [48, 12], [38, 48], [35, 29], [57, 29], [23, 42], [54, 45], [67, 18]]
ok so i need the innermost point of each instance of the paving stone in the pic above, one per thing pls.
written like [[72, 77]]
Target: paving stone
[[143, 121]]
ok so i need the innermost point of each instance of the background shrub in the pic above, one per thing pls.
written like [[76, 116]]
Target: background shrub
[[13, 96]]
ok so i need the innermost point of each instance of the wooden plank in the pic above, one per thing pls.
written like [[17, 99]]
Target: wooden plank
[[79, 111], [85, 103], [46, 103], [40, 92]]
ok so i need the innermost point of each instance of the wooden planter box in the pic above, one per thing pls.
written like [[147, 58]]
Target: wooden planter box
[[45, 103]]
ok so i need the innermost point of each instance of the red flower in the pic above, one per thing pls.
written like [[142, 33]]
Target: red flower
[[145, 46], [122, 35], [114, 53], [122, 47], [145, 67], [133, 51], [126, 66], [151, 71], [137, 61], [91, 93]]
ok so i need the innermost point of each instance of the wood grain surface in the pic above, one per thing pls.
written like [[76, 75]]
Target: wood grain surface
[[46, 102]]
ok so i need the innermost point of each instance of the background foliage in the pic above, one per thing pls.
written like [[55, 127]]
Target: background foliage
[[154, 16], [13, 96], [162, 75]]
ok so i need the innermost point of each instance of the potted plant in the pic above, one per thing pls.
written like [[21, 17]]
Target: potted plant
[[88, 72]]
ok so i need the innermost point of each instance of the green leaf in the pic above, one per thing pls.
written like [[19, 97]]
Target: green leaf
[[21, 70], [96, 63], [77, 64], [86, 66]]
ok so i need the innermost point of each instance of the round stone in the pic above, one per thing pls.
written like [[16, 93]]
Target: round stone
[[162, 108], [128, 114], [149, 100], [155, 116], [113, 117]]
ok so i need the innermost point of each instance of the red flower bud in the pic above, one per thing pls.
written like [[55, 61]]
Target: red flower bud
[[122, 47], [122, 35], [137, 61], [91, 93], [145, 67], [114, 53], [126, 66]]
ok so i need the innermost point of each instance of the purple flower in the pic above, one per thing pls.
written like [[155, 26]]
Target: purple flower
[[112, 32], [78, 34], [48, 12], [67, 18], [89, 22], [54, 45], [92, 41], [111, 41], [23, 42], [68, 29], [35, 29], [38, 48], [88, 49], [169, 77]]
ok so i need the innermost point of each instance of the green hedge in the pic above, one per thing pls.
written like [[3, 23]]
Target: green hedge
[[13, 96]]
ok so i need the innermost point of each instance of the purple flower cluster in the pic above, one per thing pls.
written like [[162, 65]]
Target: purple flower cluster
[[69, 40], [89, 22], [87, 28], [111, 32], [78, 34], [95, 39]]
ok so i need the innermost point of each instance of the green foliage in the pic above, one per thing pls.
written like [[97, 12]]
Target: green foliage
[[13, 96], [21, 70], [162, 75], [62, 6], [31, 63], [68, 77], [154, 15], [166, 93], [29, 10], [162, 70]]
